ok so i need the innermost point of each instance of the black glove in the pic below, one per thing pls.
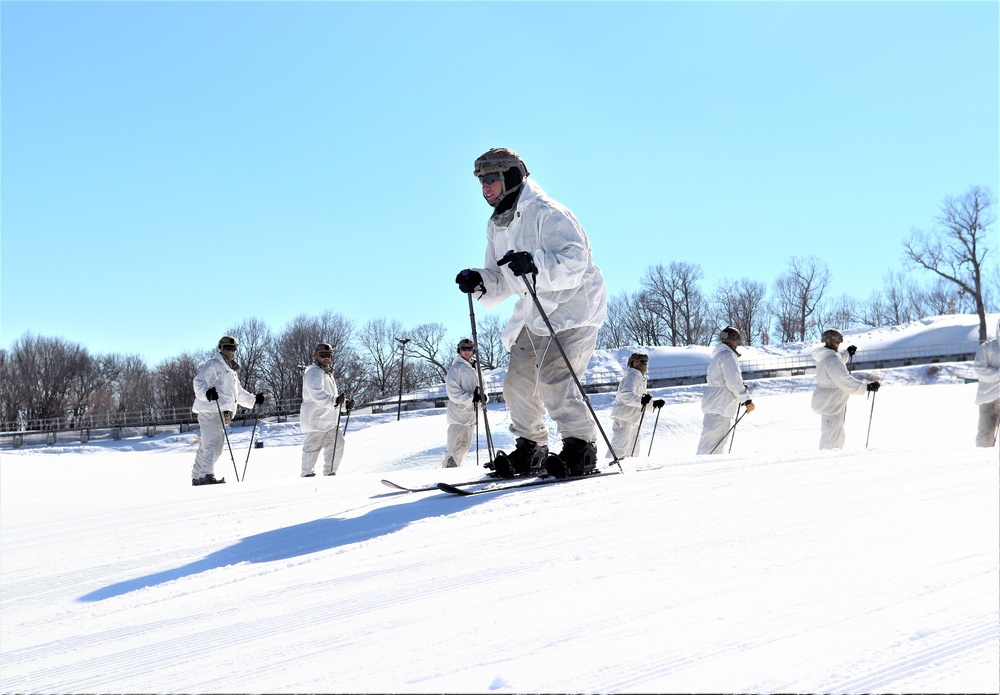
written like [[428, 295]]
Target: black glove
[[340, 399], [469, 281], [659, 403], [521, 262], [851, 349], [350, 403], [646, 398], [259, 398], [212, 394], [873, 386], [477, 396]]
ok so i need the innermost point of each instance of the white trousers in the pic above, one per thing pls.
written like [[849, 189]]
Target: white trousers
[[713, 429], [213, 441], [325, 442], [623, 440], [832, 431], [459, 439], [989, 416], [539, 382]]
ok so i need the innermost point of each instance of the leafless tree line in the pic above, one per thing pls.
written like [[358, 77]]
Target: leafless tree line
[[43, 377], [671, 307]]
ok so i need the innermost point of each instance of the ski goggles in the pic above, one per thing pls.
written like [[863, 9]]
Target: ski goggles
[[487, 179], [325, 355]]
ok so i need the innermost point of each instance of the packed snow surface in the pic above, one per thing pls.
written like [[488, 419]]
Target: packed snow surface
[[773, 568]]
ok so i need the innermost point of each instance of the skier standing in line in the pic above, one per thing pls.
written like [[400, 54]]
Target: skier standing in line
[[217, 380], [530, 236], [464, 398], [834, 385], [320, 414], [629, 402], [724, 393], [987, 369]]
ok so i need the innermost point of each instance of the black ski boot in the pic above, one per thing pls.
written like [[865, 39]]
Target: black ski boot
[[579, 456], [527, 458], [208, 480], [555, 466], [502, 467]]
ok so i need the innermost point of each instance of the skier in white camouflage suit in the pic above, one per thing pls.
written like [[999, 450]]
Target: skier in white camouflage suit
[[724, 394], [987, 369], [834, 385], [217, 380], [464, 399], [530, 236], [320, 414], [629, 402]]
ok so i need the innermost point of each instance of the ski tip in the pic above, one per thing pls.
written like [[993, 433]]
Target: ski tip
[[445, 487]]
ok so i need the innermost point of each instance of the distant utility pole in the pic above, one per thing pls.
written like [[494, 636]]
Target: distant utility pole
[[402, 354]]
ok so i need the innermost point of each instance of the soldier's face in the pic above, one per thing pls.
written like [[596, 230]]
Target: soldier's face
[[492, 186]]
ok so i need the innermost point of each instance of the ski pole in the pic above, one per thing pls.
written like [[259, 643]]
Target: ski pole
[[738, 405], [728, 431], [482, 390], [569, 366], [870, 420], [638, 430], [655, 423], [476, 412], [231, 458], [336, 438], [256, 417]]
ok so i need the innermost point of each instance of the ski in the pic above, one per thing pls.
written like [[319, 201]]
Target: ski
[[498, 486], [403, 488]]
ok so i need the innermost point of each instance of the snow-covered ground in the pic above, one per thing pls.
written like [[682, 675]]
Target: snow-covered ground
[[774, 568]]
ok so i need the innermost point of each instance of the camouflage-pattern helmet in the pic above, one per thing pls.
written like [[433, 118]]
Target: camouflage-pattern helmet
[[323, 347], [507, 163], [228, 341], [499, 160], [729, 333], [465, 343], [832, 334]]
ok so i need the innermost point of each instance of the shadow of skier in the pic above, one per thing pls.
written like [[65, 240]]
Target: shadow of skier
[[296, 541]]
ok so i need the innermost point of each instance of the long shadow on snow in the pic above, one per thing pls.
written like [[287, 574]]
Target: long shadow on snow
[[299, 540]]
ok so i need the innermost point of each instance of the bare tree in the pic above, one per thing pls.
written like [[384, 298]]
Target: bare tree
[[492, 353], [902, 299], [255, 342], [957, 249], [174, 379], [45, 372], [132, 388], [797, 297], [841, 314], [742, 304], [93, 376], [942, 299], [427, 343], [378, 340], [673, 295], [8, 385], [630, 321]]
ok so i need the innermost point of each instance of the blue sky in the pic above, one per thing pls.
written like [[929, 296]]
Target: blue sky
[[171, 169]]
